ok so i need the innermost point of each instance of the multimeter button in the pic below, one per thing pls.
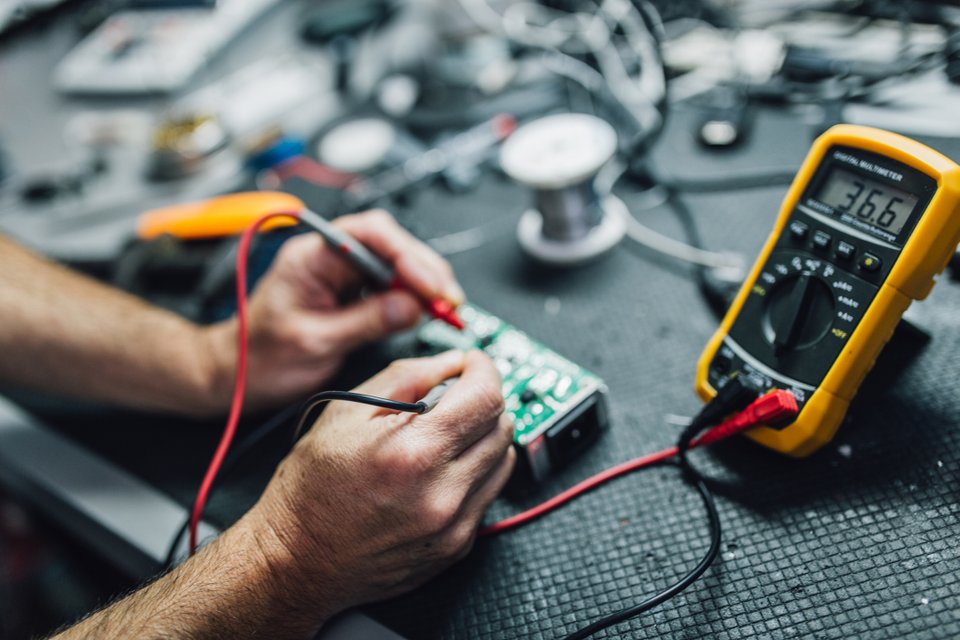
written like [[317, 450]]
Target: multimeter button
[[869, 262], [799, 229], [821, 240], [845, 250]]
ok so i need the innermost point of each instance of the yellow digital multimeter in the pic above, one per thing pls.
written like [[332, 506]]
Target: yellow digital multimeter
[[868, 222]]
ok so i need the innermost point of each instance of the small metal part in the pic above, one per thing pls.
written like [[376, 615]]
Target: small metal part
[[543, 381], [432, 399], [182, 143], [563, 387], [719, 133], [726, 121]]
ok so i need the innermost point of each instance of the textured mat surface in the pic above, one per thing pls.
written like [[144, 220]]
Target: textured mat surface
[[859, 540]]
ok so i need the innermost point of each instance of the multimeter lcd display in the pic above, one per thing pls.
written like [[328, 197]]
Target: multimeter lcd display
[[870, 201]]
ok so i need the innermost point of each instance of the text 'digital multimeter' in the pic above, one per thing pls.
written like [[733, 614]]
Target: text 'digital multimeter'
[[868, 222]]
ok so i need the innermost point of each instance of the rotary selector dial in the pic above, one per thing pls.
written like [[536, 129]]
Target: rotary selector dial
[[801, 306]]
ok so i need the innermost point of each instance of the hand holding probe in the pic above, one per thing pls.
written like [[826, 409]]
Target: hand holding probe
[[366, 262], [231, 214]]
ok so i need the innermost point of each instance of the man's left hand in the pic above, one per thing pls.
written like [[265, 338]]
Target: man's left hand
[[306, 314]]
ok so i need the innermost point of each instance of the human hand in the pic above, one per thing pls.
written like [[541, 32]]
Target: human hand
[[305, 314], [372, 503]]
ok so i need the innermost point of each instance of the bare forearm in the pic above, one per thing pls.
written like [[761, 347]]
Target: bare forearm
[[235, 588], [65, 333]]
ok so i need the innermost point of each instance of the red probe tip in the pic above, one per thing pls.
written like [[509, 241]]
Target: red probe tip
[[438, 308], [504, 125], [443, 310]]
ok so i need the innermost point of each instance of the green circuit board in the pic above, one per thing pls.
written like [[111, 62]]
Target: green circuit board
[[540, 387]]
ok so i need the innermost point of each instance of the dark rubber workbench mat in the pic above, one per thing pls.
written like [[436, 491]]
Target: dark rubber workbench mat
[[859, 540]]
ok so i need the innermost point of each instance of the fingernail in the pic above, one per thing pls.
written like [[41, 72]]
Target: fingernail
[[455, 295], [400, 310]]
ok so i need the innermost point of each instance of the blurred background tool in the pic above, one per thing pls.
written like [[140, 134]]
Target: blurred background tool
[[459, 152], [180, 145], [14, 13], [152, 48]]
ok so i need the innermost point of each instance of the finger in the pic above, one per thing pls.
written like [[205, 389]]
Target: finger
[[459, 536], [469, 409], [316, 269], [313, 268], [417, 265], [368, 320], [409, 380], [476, 505], [405, 380], [430, 276], [473, 465]]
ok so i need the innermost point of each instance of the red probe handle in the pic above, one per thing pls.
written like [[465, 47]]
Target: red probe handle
[[773, 409]]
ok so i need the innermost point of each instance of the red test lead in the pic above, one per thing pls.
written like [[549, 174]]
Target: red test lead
[[776, 407], [240, 381]]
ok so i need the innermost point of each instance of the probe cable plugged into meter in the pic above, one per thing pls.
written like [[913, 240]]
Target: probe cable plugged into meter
[[774, 408], [738, 397]]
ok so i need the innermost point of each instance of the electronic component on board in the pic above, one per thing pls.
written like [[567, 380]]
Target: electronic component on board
[[869, 221], [558, 408]]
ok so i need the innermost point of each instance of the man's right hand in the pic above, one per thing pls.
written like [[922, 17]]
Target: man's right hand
[[372, 503]]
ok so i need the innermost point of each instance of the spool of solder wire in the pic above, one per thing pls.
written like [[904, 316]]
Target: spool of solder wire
[[559, 157]]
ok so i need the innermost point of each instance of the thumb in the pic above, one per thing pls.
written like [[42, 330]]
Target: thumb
[[372, 318], [411, 379]]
